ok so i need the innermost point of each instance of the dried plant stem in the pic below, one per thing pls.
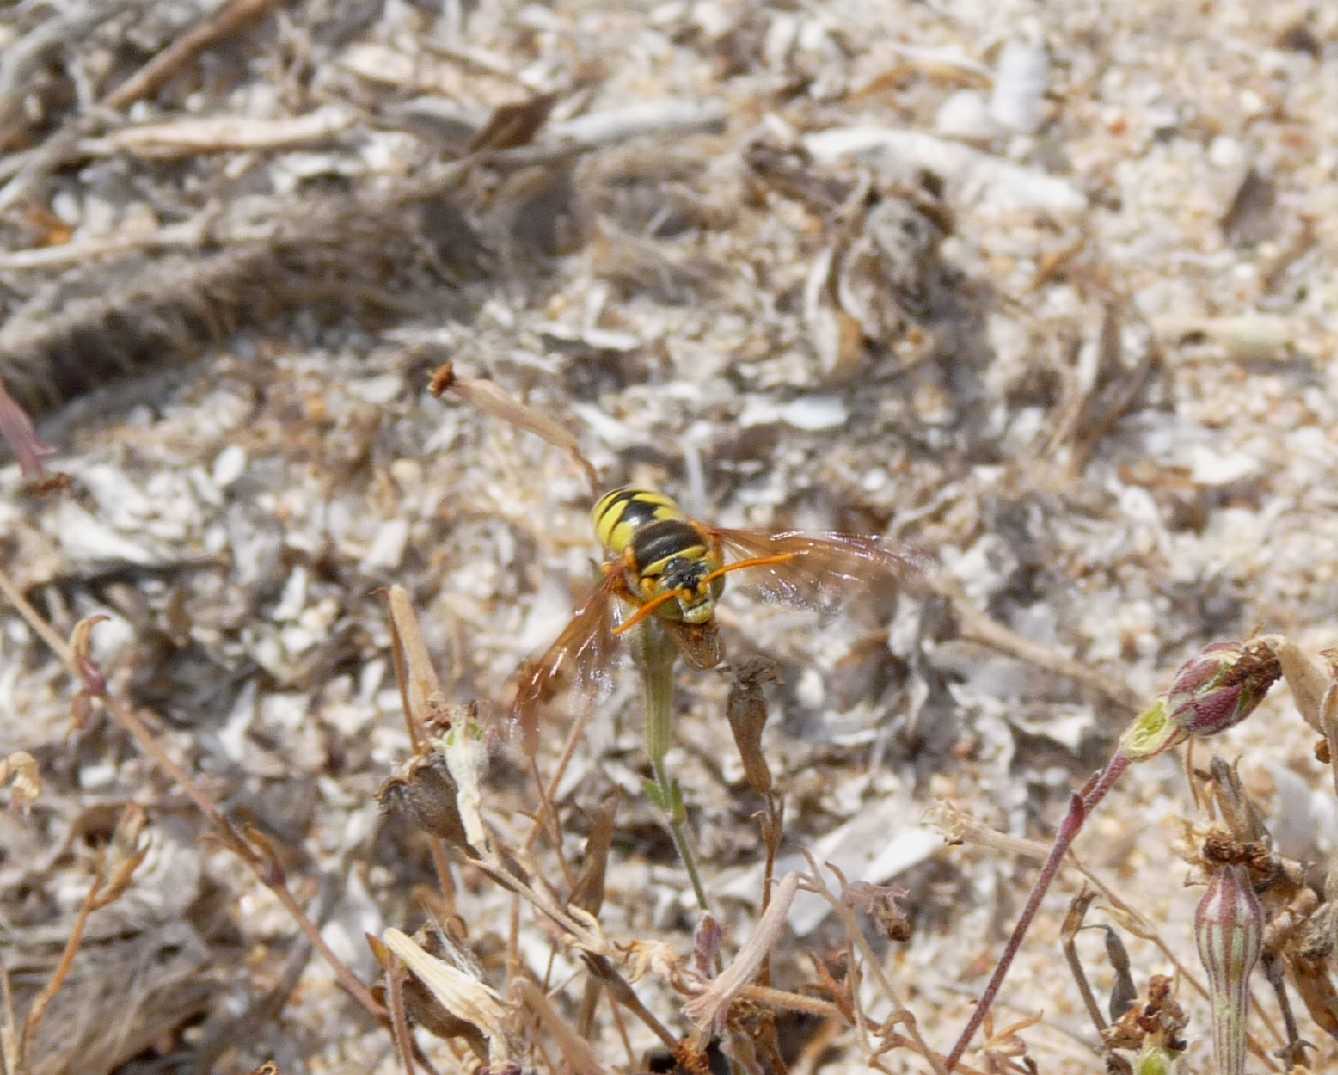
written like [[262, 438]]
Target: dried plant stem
[[772, 824], [1069, 933], [547, 816], [787, 1001], [1079, 808], [39, 625], [575, 1048], [623, 995], [843, 911], [57, 979], [549, 794], [265, 868], [977, 626], [229, 18], [616, 1012], [398, 1024], [1293, 1052], [656, 656]]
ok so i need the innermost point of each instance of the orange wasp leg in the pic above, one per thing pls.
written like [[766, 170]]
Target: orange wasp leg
[[650, 606], [645, 610], [755, 561]]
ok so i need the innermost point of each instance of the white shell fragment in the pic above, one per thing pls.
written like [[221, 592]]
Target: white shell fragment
[[973, 177], [1021, 80], [967, 115]]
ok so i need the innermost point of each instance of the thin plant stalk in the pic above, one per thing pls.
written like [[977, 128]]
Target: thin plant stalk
[[1214, 690], [1079, 808], [656, 654]]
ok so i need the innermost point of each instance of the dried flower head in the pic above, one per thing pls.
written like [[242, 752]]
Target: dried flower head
[[880, 903], [1229, 929], [460, 994], [1155, 1018], [20, 771]]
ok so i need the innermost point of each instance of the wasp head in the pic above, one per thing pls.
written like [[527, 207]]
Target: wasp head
[[695, 594]]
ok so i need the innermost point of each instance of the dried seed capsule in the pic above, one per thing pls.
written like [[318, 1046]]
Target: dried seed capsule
[[1229, 929], [746, 710], [426, 794]]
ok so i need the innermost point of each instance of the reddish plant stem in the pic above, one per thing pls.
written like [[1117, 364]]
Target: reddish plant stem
[[1079, 807]]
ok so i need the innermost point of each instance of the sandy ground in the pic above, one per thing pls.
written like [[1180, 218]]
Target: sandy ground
[[1047, 291]]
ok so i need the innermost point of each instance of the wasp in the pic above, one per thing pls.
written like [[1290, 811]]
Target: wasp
[[661, 562]]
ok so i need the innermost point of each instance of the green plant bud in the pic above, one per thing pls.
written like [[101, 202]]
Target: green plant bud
[[1229, 929], [1222, 686]]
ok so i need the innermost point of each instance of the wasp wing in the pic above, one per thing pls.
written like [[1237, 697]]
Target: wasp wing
[[582, 652], [821, 566]]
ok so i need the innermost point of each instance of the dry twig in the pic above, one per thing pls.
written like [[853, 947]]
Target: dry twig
[[231, 16]]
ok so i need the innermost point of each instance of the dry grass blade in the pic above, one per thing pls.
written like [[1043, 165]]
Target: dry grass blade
[[221, 134], [513, 125], [491, 400], [588, 892], [420, 689], [1309, 679], [16, 428], [708, 1008]]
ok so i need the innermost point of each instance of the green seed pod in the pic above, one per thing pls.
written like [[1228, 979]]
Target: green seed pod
[[1229, 929]]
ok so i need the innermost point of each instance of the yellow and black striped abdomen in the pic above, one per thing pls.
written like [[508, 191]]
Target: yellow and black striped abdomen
[[620, 514]]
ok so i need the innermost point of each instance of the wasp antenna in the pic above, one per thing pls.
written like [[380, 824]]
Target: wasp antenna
[[755, 561], [646, 609]]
